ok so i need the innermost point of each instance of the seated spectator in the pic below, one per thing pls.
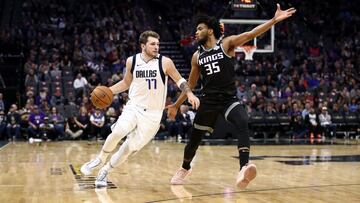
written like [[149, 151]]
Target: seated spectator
[[57, 98], [312, 121], [44, 106], [83, 120], [42, 96], [58, 121], [241, 93], [2, 103], [80, 85], [2, 124], [116, 102], [110, 119], [35, 119], [94, 81], [72, 129], [13, 123], [183, 122], [85, 102], [31, 80], [24, 119], [297, 125], [325, 123], [47, 130], [163, 133], [97, 121]]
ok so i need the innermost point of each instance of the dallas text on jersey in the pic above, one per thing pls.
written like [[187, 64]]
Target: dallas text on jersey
[[146, 73]]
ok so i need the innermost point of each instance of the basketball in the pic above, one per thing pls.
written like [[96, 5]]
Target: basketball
[[101, 97]]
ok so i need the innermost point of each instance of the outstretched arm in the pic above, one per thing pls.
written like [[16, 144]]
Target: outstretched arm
[[193, 78], [231, 42], [124, 84]]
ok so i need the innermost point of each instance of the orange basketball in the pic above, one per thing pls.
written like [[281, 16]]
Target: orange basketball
[[101, 97]]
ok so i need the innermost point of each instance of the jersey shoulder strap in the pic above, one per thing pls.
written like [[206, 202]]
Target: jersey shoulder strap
[[160, 57], [133, 64]]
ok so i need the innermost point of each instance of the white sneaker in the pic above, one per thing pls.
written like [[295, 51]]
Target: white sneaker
[[101, 179], [87, 168]]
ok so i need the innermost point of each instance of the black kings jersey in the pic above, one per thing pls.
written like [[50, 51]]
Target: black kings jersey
[[217, 74]]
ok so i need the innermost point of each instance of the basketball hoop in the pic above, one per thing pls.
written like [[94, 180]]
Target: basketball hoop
[[249, 51]]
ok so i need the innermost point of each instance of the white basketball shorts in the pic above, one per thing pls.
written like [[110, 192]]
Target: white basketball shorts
[[141, 125]]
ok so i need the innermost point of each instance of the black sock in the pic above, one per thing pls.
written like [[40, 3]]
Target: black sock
[[186, 165], [243, 156]]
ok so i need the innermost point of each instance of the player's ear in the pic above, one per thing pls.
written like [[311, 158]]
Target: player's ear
[[142, 46], [210, 31]]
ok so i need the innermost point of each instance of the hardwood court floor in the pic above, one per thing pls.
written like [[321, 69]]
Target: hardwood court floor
[[288, 173]]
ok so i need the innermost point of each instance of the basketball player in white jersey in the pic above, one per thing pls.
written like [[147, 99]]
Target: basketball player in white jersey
[[146, 78]]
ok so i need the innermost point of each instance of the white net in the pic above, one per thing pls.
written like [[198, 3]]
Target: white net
[[249, 51]]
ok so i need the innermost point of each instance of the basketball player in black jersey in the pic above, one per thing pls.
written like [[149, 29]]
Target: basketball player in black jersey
[[214, 61]]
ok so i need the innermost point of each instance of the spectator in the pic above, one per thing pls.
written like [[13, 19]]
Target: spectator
[[47, 130], [42, 96], [312, 121], [80, 84], [73, 130], [241, 93], [2, 124], [13, 123], [306, 111], [57, 99], [110, 120], [83, 120], [31, 80], [325, 123], [97, 121], [2, 103], [36, 118], [297, 125], [58, 121], [183, 122], [94, 81]]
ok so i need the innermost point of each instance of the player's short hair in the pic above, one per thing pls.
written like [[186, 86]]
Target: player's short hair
[[211, 23], [145, 35]]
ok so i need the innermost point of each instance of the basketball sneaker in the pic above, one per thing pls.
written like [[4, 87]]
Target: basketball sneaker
[[101, 179], [87, 168], [246, 174], [179, 177]]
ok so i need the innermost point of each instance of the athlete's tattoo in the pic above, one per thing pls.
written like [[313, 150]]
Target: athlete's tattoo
[[184, 87]]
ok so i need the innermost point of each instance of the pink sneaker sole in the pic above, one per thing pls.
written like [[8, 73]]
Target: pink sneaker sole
[[249, 175]]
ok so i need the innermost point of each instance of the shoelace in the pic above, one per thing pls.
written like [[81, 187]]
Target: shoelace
[[182, 173]]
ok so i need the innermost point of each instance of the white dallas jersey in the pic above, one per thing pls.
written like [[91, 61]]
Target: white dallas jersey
[[148, 88]]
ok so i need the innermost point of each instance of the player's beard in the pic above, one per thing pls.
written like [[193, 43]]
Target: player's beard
[[150, 54], [202, 41]]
